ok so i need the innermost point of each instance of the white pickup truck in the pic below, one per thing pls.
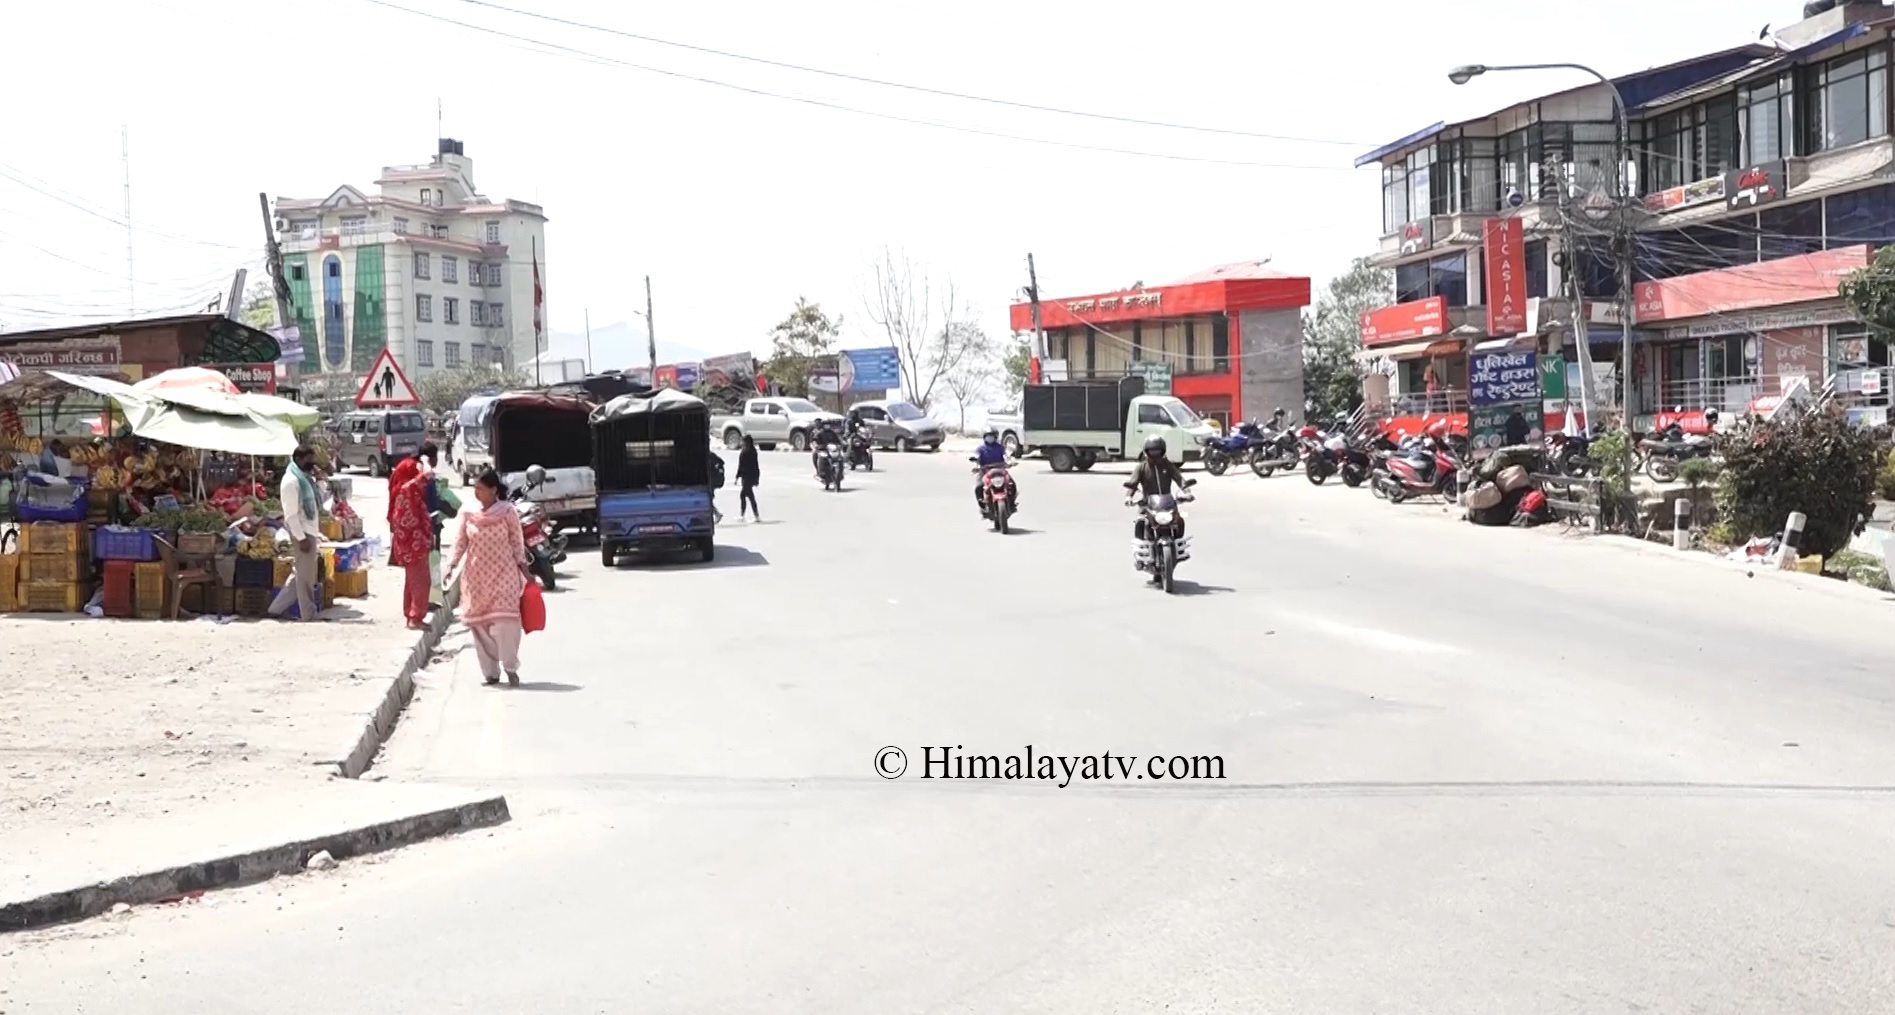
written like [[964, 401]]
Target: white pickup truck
[[773, 421]]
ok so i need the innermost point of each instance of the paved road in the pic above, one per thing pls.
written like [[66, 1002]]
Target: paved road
[[1466, 771]]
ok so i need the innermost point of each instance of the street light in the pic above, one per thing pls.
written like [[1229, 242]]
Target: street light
[[1467, 72]]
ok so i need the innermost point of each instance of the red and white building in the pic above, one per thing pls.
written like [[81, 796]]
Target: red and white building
[[1228, 341]]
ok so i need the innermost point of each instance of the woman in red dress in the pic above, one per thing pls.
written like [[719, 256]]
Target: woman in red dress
[[411, 533]]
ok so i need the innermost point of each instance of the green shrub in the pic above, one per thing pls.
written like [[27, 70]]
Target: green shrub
[[1608, 456], [1885, 479], [1700, 471], [1859, 567], [1818, 464]]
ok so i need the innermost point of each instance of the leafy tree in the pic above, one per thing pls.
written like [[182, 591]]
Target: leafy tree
[[441, 390], [797, 343], [1871, 291], [1017, 363], [259, 306], [1817, 463], [1332, 336]]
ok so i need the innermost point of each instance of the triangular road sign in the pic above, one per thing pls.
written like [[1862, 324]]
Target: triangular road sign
[[386, 387]]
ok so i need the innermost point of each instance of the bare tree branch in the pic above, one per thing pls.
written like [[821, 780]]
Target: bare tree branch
[[906, 304]]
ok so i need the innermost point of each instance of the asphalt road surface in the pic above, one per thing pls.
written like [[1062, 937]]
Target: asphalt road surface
[[1464, 770]]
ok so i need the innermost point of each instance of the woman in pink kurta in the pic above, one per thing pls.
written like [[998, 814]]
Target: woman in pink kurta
[[489, 541]]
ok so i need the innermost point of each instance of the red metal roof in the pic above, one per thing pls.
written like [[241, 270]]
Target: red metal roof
[[1229, 288]]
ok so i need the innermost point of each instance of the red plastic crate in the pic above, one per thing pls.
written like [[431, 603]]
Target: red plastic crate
[[119, 588]]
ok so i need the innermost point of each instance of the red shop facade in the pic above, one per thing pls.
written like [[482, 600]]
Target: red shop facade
[[1229, 339]]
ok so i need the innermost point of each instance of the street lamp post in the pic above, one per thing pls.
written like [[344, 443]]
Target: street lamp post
[[1622, 229]]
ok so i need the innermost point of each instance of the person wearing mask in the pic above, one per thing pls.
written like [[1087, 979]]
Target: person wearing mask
[[490, 551], [1154, 475], [991, 454], [748, 475], [411, 531], [302, 511]]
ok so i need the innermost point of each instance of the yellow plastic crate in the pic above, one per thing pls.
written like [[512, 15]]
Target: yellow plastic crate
[[10, 582], [53, 597], [53, 567], [281, 576], [148, 590], [350, 585], [52, 537], [331, 529]]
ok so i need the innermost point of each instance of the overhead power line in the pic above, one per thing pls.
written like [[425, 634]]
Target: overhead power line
[[923, 89], [587, 54]]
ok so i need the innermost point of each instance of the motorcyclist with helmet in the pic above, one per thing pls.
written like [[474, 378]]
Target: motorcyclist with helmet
[[821, 436], [990, 455], [1154, 475]]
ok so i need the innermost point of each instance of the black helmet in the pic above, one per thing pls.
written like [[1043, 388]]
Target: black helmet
[[1155, 446]]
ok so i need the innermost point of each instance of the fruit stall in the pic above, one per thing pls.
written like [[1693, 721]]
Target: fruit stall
[[128, 525]]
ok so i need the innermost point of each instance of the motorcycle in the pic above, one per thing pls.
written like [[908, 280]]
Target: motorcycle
[[1162, 544], [1424, 468], [1220, 453], [544, 544], [861, 451], [1572, 455], [830, 466], [998, 498], [1277, 447], [1664, 452]]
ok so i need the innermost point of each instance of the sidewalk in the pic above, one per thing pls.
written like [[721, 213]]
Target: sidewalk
[[125, 745]]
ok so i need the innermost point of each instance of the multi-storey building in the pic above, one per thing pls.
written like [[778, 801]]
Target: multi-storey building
[[1763, 176], [425, 267]]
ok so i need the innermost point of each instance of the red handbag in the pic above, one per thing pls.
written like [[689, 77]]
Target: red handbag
[[532, 608]]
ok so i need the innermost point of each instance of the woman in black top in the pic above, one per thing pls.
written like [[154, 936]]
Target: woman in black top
[[747, 477]]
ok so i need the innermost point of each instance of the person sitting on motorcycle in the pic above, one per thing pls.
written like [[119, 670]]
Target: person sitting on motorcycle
[[991, 454], [1154, 475], [821, 437]]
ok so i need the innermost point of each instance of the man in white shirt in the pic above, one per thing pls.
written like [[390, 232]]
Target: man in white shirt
[[301, 514]]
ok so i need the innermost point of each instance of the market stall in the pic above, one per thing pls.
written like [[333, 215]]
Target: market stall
[[170, 511]]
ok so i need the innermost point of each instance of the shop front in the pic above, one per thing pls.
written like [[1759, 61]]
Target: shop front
[[1227, 342]]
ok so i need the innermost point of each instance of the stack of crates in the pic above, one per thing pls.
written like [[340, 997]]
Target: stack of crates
[[149, 581], [54, 567], [9, 574], [347, 566]]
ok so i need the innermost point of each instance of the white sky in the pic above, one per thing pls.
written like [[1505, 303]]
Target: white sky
[[737, 203]]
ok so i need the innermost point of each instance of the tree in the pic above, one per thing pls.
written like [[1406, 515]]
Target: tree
[[1332, 338], [971, 376], [442, 390], [1017, 363], [1871, 291], [797, 343], [1817, 463], [259, 306], [903, 304]]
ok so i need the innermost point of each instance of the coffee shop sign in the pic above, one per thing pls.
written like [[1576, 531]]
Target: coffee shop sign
[[1115, 302]]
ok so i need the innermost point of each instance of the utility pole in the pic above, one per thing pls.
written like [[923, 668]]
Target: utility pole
[[234, 308], [651, 334], [1039, 333], [131, 284], [588, 340], [274, 265]]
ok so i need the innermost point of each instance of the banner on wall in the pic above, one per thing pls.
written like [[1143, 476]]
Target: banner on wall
[[1506, 279]]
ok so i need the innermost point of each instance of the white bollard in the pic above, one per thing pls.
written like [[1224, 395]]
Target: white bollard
[[1792, 538], [1681, 524]]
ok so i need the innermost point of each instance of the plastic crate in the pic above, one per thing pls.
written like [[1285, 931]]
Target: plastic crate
[[349, 556], [326, 594], [120, 590], [331, 528], [251, 602], [295, 611], [51, 537], [350, 584], [252, 573], [10, 581], [198, 544], [118, 542], [221, 601], [53, 597], [53, 567], [192, 598], [149, 582]]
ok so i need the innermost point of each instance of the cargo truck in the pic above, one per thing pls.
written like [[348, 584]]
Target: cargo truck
[[1076, 425]]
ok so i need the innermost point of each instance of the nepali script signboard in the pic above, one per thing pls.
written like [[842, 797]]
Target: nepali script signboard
[[1505, 402]]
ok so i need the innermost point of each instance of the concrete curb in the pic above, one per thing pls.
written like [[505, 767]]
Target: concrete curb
[[381, 724], [249, 867]]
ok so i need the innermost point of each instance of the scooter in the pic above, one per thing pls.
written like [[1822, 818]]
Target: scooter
[[861, 451], [545, 547], [830, 467], [998, 501], [1426, 470]]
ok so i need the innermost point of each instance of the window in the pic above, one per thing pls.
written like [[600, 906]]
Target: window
[[427, 196], [478, 353], [401, 227], [1464, 177], [1767, 113], [1444, 276], [453, 355], [493, 275], [421, 265], [1691, 144], [296, 273], [1862, 216], [1535, 255], [438, 232], [450, 310], [1394, 198], [1149, 413], [1220, 344], [424, 353], [450, 269], [1790, 230], [479, 313], [424, 307], [354, 225], [332, 267], [303, 227], [493, 232], [495, 318], [1846, 101], [474, 274]]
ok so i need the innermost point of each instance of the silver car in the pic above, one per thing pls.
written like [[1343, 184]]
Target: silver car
[[899, 425]]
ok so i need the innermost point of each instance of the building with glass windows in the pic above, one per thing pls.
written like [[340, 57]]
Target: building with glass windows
[[425, 267], [1762, 174]]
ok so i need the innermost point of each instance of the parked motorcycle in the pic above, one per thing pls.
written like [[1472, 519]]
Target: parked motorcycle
[[1572, 455], [1161, 543], [1278, 447], [861, 451], [545, 545], [998, 497], [1220, 453], [831, 464], [1665, 452], [1424, 468]]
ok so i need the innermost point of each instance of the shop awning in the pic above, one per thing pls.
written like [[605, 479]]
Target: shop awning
[[1406, 350], [1497, 344], [228, 425]]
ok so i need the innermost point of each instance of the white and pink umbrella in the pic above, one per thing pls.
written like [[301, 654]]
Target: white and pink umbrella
[[188, 379]]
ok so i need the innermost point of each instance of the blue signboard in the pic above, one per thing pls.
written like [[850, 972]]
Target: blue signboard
[[687, 376], [1503, 378], [874, 369]]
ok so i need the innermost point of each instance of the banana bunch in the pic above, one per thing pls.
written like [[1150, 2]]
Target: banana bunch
[[108, 478], [261, 546]]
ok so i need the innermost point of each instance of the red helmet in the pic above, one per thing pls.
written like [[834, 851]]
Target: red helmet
[[1438, 429]]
